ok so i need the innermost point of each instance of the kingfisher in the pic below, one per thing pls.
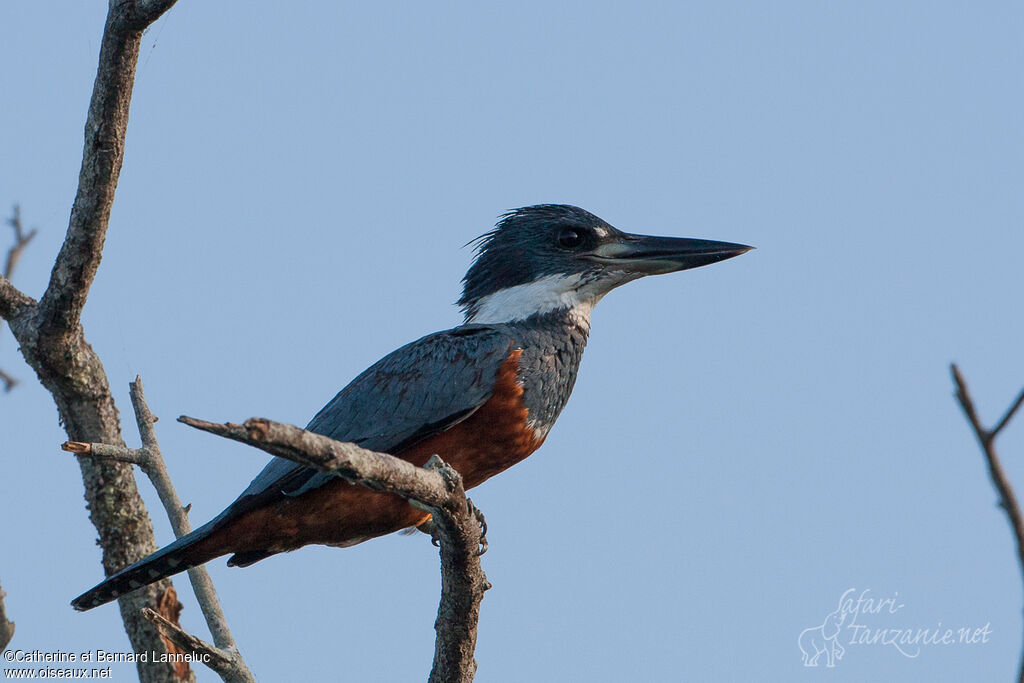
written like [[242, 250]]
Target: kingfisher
[[482, 396]]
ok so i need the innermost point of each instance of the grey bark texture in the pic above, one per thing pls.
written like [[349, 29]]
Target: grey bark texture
[[223, 657], [53, 342]]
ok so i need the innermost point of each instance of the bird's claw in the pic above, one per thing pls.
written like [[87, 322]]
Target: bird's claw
[[482, 521], [430, 529]]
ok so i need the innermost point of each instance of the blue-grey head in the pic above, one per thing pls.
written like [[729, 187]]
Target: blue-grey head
[[550, 257]]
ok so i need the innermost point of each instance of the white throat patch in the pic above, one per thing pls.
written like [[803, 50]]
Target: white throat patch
[[544, 295]]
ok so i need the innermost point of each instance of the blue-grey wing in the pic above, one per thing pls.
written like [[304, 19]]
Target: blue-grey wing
[[411, 394]]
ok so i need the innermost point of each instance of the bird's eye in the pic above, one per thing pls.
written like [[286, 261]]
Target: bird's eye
[[570, 238]]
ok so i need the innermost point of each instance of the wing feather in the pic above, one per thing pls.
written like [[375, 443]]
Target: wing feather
[[417, 391]]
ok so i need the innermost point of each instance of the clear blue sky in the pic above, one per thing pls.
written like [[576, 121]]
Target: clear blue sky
[[745, 442]]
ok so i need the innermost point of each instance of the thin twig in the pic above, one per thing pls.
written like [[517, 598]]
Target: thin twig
[[156, 470], [9, 381], [6, 627], [986, 439], [436, 488], [230, 664], [132, 456], [1008, 415], [21, 240]]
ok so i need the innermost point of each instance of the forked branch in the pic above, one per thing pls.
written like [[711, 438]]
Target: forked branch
[[986, 439], [21, 240], [436, 488], [52, 340], [223, 657]]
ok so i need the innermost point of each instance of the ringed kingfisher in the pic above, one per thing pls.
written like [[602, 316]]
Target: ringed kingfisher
[[482, 396]]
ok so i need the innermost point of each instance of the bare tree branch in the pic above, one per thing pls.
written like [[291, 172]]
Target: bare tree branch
[[151, 461], [13, 303], [206, 595], [52, 341], [21, 240], [202, 651], [986, 439], [463, 584], [435, 488], [132, 456], [79, 257], [6, 627], [9, 381]]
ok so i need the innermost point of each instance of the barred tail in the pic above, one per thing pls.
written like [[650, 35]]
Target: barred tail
[[187, 552]]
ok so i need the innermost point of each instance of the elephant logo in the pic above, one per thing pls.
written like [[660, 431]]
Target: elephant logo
[[823, 639]]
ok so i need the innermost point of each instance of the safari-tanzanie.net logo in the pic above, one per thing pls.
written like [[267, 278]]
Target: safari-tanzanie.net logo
[[861, 619]]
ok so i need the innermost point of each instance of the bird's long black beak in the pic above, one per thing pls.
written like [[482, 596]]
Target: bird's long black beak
[[647, 255]]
